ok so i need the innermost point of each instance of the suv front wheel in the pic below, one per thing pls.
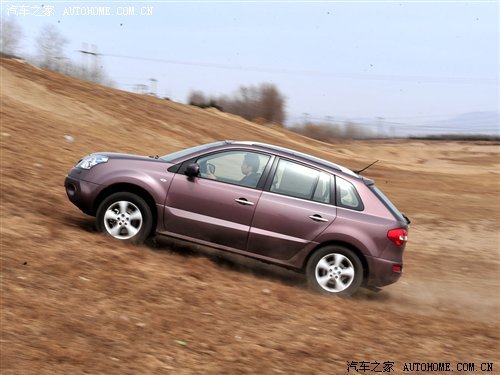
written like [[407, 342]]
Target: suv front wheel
[[125, 216], [334, 270]]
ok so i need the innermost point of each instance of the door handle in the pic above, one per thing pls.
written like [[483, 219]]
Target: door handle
[[316, 217], [244, 201]]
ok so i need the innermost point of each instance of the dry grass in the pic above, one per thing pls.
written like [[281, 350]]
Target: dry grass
[[74, 301]]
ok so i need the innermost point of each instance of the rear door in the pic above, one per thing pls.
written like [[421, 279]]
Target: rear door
[[293, 211], [216, 207]]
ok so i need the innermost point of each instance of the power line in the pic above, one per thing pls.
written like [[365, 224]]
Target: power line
[[378, 77]]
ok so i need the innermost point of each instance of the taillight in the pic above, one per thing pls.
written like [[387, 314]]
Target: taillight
[[398, 236]]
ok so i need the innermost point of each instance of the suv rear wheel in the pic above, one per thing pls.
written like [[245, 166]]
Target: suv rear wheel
[[334, 270], [125, 216]]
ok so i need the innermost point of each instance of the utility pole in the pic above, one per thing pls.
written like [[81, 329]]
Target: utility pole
[[88, 74], [380, 127], [85, 58], [152, 90], [94, 74], [140, 88]]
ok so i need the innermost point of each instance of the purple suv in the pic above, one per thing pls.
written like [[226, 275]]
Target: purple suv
[[254, 199]]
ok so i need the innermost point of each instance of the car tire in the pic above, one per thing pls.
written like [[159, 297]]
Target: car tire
[[126, 217], [334, 270]]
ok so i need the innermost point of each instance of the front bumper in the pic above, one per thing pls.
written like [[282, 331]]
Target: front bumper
[[383, 272], [82, 193]]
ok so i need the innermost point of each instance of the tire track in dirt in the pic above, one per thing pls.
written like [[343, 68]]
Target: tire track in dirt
[[74, 301]]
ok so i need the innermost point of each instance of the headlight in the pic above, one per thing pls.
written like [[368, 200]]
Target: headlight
[[89, 161]]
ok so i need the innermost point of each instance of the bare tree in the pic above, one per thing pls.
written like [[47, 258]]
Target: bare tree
[[262, 104], [271, 104], [197, 98], [247, 101], [10, 36], [328, 132], [51, 45]]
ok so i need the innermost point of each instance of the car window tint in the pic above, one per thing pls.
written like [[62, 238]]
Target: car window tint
[[294, 180], [347, 196], [322, 192], [235, 167]]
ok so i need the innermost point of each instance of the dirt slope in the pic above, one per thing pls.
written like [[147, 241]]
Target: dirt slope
[[74, 301]]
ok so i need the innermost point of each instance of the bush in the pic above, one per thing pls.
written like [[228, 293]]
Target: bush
[[331, 132], [263, 103]]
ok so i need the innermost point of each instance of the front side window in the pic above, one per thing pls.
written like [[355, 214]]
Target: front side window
[[347, 196], [235, 167], [295, 180]]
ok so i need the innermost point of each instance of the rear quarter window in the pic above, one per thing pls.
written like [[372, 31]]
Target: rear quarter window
[[347, 195]]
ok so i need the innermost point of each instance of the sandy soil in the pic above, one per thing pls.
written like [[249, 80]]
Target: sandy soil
[[75, 301]]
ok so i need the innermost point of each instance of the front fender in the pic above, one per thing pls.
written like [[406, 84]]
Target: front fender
[[157, 186]]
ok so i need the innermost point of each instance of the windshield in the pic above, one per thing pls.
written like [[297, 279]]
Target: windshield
[[179, 154]]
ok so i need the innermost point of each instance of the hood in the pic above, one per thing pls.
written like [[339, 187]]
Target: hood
[[115, 155]]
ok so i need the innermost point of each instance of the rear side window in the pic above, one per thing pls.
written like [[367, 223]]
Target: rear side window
[[322, 192], [294, 180], [347, 196], [298, 181]]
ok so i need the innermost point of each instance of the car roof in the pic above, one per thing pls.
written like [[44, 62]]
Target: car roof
[[293, 153]]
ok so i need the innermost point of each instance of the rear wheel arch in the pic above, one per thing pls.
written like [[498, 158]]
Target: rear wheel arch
[[128, 188], [347, 245], [335, 269]]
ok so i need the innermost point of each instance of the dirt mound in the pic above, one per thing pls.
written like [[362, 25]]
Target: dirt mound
[[74, 301]]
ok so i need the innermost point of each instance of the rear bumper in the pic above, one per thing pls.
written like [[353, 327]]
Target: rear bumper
[[81, 193], [382, 272]]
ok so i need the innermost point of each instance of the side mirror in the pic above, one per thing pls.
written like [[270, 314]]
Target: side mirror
[[192, 170]]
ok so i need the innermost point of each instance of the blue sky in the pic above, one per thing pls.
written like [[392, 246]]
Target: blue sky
[[407, 62]]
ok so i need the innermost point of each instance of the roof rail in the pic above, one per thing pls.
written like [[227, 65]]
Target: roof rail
[[302, 155]]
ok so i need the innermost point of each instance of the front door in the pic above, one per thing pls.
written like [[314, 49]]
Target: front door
[[218, 206]]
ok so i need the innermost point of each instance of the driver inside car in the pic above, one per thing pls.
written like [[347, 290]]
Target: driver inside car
[[249, 168]]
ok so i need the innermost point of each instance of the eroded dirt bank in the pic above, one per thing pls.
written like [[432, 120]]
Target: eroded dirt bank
[[74, 301]]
